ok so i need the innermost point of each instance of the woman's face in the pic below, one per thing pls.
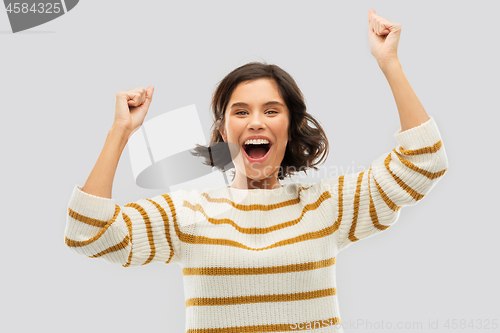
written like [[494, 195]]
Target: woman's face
[[256, 109]]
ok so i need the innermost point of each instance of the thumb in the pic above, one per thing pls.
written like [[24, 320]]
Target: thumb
[[149, 96], [370, 12]]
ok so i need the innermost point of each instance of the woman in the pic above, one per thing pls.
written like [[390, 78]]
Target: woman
[[258, 256]]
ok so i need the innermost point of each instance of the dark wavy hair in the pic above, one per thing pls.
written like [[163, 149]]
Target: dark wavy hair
[[307, 143]]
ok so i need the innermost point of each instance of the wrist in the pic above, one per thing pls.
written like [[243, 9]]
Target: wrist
[[387, 65], [120, 132]]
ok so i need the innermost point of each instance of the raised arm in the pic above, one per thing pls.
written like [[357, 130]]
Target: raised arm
[[369, 202], [411, 111], [137, 233], [383, 37], [130, 110]]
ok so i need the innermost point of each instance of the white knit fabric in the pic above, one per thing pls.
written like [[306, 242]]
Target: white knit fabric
[[260, 260]]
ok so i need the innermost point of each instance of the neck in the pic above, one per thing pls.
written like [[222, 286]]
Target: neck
[[243, 182]]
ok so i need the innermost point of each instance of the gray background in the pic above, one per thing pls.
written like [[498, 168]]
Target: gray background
[[57, 88]]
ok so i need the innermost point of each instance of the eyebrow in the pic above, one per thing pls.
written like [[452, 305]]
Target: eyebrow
[[241, 104]]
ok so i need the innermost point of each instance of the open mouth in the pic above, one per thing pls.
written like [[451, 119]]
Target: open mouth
[[257, 151]]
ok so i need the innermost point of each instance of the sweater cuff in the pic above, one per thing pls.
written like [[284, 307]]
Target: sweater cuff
[[423, 135], [91, 206]]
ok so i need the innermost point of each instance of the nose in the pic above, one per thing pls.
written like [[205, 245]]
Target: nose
[[256, 121]]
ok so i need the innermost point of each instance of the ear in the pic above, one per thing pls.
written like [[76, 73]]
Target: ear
[[223, 135]]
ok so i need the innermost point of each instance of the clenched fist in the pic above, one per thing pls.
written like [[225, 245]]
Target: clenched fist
[[131, 108], [383, 37]]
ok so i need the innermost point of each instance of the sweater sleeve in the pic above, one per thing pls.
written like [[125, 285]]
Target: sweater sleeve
[[135, 234], [370, 201]]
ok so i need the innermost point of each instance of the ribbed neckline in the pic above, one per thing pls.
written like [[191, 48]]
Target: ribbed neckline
[[235, 193], [255, 189]]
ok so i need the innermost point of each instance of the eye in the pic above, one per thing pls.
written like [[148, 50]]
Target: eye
[[244, 111]]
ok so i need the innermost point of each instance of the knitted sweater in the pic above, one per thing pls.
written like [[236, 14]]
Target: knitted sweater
[[260, 260]]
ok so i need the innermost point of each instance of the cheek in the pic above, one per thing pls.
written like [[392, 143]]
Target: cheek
[[234, 129], [281, 131]]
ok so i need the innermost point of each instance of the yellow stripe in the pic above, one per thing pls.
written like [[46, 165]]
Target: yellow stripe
[[86, 219], [426, 150], [253, 231], [149, 230], [123, 244], [341, 201], [260, 298], [259, 270], [373, 211], [167, 228], [268, 328], [74, 243], [428, 174], [187, 238], [386, 199], [256, 206], [129, 226], [353, 238], [415, 195]]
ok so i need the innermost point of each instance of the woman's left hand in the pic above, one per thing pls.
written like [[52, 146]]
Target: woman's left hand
[[383, 36]]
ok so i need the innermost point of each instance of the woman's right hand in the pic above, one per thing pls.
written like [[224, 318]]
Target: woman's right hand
[[131, 108]]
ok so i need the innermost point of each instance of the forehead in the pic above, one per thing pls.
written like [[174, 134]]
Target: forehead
[[260, 90]]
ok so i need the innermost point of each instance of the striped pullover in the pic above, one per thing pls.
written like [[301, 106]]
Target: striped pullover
[[260, 260]]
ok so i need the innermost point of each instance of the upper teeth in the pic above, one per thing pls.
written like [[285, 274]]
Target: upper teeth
[[257, 142]]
